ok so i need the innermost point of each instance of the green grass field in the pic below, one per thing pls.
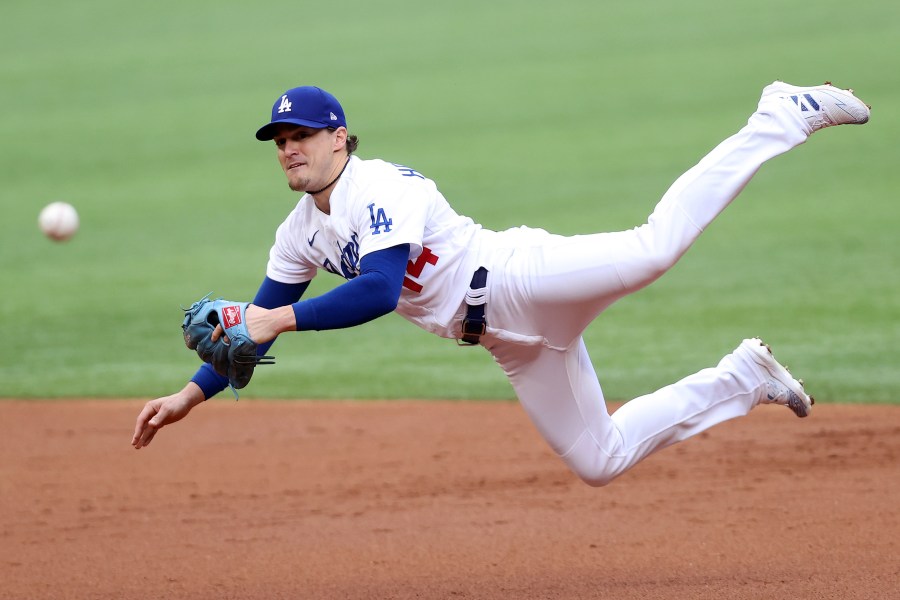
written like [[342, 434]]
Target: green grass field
[[574, 116]]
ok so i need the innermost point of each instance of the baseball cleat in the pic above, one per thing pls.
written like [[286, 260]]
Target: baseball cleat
[[822, 105], [781, 387]]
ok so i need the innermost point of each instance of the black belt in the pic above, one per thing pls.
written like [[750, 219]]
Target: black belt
[[474, 324]]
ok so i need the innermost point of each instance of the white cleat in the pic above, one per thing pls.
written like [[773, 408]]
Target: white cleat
[[781, 387], [822, 105]]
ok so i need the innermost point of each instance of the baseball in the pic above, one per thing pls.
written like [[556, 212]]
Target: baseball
[[58, 221]]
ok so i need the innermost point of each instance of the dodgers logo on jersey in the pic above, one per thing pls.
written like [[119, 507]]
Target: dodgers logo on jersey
[[379, 220], [349, 260]]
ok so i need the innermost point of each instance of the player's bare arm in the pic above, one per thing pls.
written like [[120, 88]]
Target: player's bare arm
[[162, 411], [264, 325]]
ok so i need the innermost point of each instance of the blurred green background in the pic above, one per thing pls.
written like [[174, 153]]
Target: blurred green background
[[574, 116]]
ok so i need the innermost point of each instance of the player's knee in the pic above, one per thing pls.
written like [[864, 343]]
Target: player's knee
[[596, 479], [593, 473], [595, 464], [655, 251], [651, 265], [658, 262]]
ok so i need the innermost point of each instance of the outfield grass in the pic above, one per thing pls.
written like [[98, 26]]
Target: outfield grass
[[572, 116]]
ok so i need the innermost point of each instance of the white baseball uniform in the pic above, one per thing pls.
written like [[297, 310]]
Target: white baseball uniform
[[544, 289]]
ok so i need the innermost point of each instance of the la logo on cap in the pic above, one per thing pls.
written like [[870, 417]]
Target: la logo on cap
[[285, 106]]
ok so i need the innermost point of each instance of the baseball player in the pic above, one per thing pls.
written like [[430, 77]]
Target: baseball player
[[524, 294]]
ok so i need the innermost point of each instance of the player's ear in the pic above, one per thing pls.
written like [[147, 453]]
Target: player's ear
[[340, 138]]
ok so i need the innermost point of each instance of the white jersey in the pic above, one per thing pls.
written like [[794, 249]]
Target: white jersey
[[377, 205]]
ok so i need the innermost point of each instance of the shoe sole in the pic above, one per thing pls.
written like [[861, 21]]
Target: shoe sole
[[801, 403]]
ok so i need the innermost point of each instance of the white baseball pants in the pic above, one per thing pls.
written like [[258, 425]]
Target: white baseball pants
[[544, 293]]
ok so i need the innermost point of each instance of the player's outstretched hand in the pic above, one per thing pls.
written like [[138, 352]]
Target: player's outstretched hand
[[162, 411]]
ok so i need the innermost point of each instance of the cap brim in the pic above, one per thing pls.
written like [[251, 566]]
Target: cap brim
[[267, 131]]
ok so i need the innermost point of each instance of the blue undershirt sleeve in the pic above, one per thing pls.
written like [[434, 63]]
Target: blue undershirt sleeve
[[271, 294], [372, 294]]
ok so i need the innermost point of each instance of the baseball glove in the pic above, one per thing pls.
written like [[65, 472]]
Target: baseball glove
[[234, 359]]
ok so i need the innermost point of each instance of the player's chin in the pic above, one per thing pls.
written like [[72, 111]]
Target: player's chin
[[297, 184]]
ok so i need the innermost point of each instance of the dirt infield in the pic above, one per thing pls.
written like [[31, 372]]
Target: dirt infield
[[438, 500]]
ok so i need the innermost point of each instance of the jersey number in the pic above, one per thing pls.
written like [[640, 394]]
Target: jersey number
[[415, 269]]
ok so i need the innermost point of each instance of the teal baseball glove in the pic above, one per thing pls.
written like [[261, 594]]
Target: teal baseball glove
[[234, 359]]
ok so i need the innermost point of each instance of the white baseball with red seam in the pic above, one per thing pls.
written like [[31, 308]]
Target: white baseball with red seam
[[58, 221]]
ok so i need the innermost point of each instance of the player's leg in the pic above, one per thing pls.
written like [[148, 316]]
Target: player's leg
[[588, 273], [561, 394]]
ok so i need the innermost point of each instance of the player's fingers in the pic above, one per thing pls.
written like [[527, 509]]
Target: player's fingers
[[153, 425], [151, 433], [143, 437], [141, 424], [217, 333], [146, 437]]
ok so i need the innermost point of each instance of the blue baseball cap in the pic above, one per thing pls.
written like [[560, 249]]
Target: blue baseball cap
[[309, 106]]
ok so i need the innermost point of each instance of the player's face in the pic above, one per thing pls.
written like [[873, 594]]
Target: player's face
[[307, 156]]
